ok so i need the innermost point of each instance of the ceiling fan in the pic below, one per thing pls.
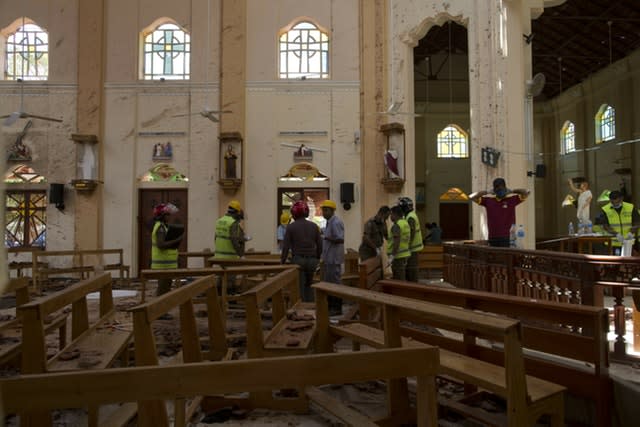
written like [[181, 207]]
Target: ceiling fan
[[206, 112], [21, 114], [394, 110]]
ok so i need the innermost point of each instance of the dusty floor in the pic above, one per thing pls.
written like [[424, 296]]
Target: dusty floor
[[368, 398]]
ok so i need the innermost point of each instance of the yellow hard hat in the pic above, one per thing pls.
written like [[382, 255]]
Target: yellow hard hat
[[285, 218], [328, 204], [234, 204]]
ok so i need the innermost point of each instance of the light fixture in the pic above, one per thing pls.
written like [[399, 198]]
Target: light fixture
[[604, 196], [569, 200]]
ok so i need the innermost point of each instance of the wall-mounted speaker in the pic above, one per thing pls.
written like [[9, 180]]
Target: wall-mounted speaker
[[541, 171], [346, 194], [56, 195]]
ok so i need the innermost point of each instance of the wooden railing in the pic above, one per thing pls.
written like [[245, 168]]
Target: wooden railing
[[545, 275]]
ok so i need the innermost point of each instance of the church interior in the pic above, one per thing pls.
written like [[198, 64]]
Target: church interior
[[111, 107]]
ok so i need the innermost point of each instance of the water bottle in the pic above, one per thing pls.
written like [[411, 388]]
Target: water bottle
[[589, 227], [572, 231], [520, 237], [512, 236]]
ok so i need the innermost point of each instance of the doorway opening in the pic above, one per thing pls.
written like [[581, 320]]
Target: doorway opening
[[313, 196]]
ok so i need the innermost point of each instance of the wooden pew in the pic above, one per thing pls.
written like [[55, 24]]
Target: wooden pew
[[566, 343], [288, 335], [78, 389], [154, 413], [109, 335], [78, 262], [21, 259], [11, 350], [527, 397], [430, 259]]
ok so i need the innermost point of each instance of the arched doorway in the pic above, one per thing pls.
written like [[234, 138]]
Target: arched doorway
[[454, 214]]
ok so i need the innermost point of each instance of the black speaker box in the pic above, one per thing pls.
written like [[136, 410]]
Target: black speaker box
[[56, 194], [346, 192], [541, 171]]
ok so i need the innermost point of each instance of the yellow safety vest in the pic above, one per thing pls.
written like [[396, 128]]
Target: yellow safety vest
[[416, 244], [223, 245], [620, 222], [162, 259], [405, 236]]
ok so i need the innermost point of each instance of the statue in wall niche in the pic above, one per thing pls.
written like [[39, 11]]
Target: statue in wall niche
[[163, 151], [391, 162], [230, 158], [19, 151]]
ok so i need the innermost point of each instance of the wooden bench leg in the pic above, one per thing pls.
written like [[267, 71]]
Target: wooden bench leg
[[92, 416], [62, 335]]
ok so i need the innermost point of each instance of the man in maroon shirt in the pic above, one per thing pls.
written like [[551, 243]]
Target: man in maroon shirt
[[501, 210]]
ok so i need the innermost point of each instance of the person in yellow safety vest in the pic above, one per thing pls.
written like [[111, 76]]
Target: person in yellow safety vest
[[164, 253], [230, 237], [415, 240], [620, 219], [398, 243]]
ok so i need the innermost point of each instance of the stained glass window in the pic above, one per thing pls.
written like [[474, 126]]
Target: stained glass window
[[605, 124], [28, 53], [167, 52], [25, 218], [452, 143], [568, 136], [304, 52]]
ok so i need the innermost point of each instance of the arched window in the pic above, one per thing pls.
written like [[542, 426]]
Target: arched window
[[304, 52], [568, 137], [25, 210], [27, 51], [166, 53], [605, 124], [452, 143]]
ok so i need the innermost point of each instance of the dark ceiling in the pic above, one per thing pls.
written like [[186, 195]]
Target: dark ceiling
[[569, 42]]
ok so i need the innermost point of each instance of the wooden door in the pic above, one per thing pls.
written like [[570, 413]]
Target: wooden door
[[148, 200], [454, 221]]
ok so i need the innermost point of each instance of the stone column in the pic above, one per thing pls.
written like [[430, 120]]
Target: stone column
[[88, 205], [232, 82]]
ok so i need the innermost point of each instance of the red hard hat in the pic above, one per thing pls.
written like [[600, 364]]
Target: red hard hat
[[300, 209]]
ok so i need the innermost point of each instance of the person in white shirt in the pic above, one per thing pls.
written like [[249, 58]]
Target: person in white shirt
[[584, 198]]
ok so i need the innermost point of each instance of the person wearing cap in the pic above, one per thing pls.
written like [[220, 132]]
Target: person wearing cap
[[374, 235], [164, 253], [415, 240], [398, 250], [500, 205], [620, 218], [332, 252], [285, 217], [230, 238]]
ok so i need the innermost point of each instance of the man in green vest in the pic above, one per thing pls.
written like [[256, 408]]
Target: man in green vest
[[415, 239], [164, 253], [398, 243], [230, 238], [620, 219]]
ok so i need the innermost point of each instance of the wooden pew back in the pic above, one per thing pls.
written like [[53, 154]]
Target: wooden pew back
[[554, 332]]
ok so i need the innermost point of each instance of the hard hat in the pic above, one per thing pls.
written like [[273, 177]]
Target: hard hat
[[405, 203], [329, 204], [164, 209], [285, 218], [235, 205], [300, 209]]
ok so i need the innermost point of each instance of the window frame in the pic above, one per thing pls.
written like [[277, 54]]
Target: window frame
[[450, 142], [150, 44], [568, 132], [27, 218], [605, 124], [27, 58], [301, 29]]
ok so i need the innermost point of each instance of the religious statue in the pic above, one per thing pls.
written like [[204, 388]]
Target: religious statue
[[391, 162], [230, 158]]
